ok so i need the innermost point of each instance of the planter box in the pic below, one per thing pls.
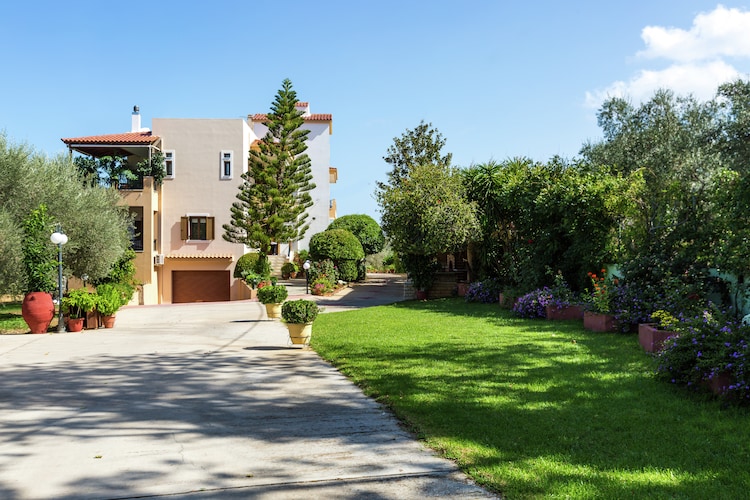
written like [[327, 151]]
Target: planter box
[[719, 384], [564, 313], [598, 322], [507, 301], [651, 338]]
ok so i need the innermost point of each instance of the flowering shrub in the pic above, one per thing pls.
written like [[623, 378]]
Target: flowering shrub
[[323, 273], [707, 346], [533, 304], [560, 294], [321, 286], [486, 291], [601, 297], [634, 303]]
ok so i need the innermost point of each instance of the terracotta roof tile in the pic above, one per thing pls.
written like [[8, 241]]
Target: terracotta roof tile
[[315, 117], [201, 256], [124, 138]]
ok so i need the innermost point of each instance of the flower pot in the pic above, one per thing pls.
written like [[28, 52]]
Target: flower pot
[[108, 321], [273, 311], [300, 333], [564, 313], [38, 310], [719, 383], [651, 338], [599, 322], [293, 275], [75, 324], [507, 301], [421, 294], [462, 289]]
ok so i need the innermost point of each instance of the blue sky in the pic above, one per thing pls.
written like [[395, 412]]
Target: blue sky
[[497, 78]]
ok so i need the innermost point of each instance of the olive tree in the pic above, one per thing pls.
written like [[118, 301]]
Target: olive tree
[[96, 225]]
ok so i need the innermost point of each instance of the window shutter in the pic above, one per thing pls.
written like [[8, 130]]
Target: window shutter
[[183, 228], [209, 228]]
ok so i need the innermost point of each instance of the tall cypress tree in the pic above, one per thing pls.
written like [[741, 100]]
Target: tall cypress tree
[[275, 193]]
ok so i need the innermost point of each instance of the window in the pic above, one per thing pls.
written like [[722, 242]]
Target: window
[[169, 163], [226, 164], [197, 227], [136, 232]]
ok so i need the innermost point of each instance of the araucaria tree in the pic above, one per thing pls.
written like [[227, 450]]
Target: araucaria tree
[[275, 193]]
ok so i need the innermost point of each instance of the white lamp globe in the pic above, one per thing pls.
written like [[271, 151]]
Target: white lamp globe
[[59, 238]]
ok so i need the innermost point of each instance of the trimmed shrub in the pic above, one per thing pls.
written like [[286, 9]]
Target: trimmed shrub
[[336, 244], [272, 294], [342, 247], [299, 311], [365, 229], [246, 265]]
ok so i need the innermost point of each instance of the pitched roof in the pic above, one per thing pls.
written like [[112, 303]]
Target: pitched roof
[[316, 117], [144, 138]]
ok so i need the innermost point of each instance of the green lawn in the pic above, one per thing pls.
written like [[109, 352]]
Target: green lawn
[[540, 409], [10, 318]]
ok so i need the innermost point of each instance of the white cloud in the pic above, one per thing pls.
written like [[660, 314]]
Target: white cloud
[[697, 57], [699, 79], [720, 33]]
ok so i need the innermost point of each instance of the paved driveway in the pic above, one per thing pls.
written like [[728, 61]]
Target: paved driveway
[[199, 401]]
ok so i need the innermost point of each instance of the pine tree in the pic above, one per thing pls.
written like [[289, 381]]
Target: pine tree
[[275, 193]]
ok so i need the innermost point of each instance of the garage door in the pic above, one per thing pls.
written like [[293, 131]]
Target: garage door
[[200, 286]]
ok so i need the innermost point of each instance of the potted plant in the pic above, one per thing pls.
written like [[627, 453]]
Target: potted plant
[[598, 316], [563, 304], [289, 270], [299, 316], [651, 336], [76, 304], [109, 298], [272, 296], [39, 263]]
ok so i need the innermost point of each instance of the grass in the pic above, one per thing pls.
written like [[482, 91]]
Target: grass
[[10, 318], [540, 409]]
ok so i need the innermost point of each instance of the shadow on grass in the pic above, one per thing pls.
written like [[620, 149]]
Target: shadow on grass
[[534, 408]]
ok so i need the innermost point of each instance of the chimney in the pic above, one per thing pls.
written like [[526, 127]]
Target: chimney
[[304, 107], [135, 120]]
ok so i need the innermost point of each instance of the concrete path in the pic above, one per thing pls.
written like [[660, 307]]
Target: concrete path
[[202, 401]]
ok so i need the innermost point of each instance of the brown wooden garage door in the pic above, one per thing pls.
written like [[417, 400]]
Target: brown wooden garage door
[[200, 286]]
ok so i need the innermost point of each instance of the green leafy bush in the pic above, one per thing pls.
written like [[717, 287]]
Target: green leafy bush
[[336, 244], [289, 268], [246, 264], [78, 302], [707, 346], [364, 228], [323, 271], [272, 294], [342, 247], [110, 297], [39, 258], [299, 311]]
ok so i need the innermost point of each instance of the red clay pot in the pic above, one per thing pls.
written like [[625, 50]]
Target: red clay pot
[[38, 310], [75, 324], [108, 321]]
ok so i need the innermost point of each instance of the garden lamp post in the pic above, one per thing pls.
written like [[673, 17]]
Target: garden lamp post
[[59, 238], [306, 267]]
